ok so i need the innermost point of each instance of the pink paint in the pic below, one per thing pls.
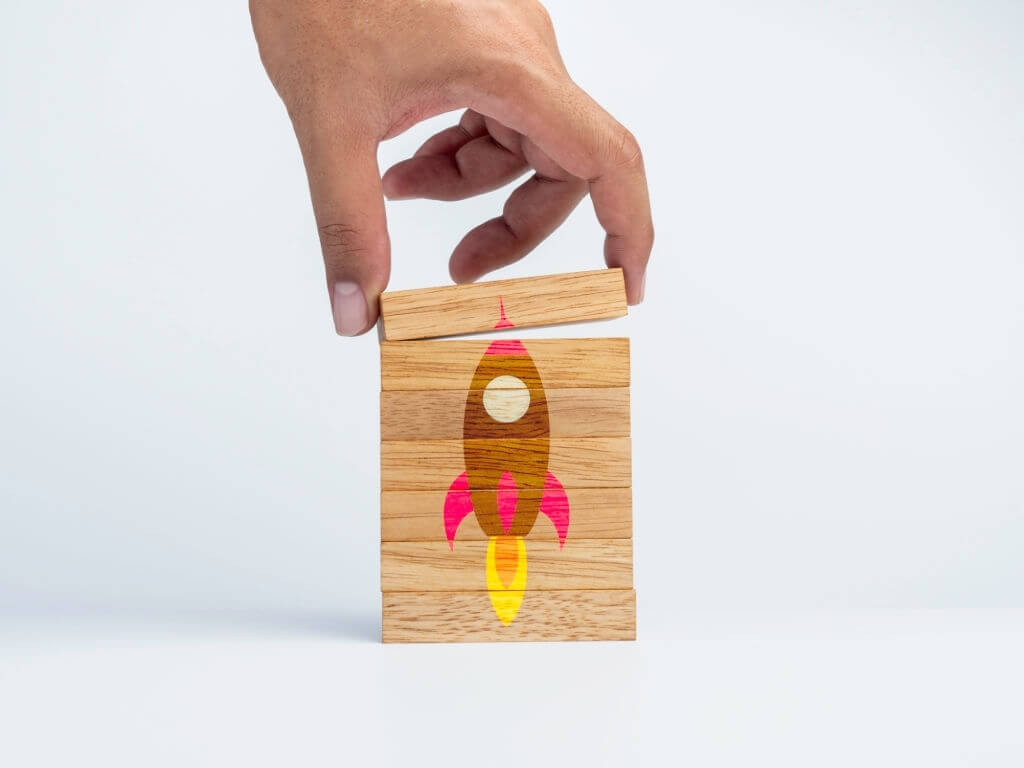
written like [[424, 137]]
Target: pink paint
[[508, 497], [555, 504], [458, 503], [504, 322], [511, 347]]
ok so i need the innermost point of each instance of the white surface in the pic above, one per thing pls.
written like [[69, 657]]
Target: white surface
[[713, 690], [827, 420]]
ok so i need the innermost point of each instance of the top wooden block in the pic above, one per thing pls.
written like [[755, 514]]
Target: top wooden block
[[424, 313]]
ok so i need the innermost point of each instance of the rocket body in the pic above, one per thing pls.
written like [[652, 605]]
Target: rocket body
[[505, 457], [506, 445]]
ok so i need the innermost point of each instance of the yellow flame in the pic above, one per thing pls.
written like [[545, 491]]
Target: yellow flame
[[506, 599]]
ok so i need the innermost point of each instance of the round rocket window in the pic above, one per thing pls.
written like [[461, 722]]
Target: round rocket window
[[506, 398]]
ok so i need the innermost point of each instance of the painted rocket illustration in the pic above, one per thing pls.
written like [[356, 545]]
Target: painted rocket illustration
[[506, 483]]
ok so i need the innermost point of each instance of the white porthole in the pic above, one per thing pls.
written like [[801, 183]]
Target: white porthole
[[506, 398]]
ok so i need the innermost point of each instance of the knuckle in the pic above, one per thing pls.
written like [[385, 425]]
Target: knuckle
[[343, 243], [339, 236], [625, 150], [506, 78], [513, 43]]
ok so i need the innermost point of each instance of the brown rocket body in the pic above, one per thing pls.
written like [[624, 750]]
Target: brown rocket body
[[506, 456]]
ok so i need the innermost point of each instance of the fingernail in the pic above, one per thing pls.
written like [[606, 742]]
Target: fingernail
[[349, 309], [643, 287]]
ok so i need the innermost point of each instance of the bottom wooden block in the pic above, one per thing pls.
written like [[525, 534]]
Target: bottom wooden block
[[570, 614]]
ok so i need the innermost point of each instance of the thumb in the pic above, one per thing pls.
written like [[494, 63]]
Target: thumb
[[348, 203]]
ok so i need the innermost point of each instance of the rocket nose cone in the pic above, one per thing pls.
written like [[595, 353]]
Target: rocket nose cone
[[505, 347], [503, 322], [508, 347]]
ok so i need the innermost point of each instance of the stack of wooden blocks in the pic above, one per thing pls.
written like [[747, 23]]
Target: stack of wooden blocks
[[506, 508]]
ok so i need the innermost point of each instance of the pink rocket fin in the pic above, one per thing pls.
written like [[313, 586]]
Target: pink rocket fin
[[508, 497], [555, 504], [458, 503]]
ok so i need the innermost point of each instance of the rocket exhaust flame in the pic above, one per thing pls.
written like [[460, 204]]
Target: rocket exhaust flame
[[506, 575]]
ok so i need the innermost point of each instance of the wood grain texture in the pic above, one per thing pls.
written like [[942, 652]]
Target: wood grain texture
[[439, 414], [431, 617], [429, 566], [595, 513], [585, 462], [562, 363], [450, 310]]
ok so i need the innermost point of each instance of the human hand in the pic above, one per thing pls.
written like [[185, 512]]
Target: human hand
[[355, 72]]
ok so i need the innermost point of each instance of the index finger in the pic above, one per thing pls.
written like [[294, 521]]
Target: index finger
[[579, 135]]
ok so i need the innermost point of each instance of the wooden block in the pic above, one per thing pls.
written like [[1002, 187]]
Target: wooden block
[[430, 566], [547, 300], [596, 513], [561, 363], [439, 414], [427, 465], [428, 617]]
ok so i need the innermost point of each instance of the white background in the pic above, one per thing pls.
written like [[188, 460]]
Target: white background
[[828, 423]]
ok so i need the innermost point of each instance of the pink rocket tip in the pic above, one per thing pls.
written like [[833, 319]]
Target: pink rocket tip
[[503, 322], [510, 347]]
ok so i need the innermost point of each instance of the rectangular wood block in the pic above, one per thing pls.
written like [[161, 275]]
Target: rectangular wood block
[[562, 363], [585, 462], [425, 617], [438, 414], [547, 300], [430, 566], [597, 513]]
